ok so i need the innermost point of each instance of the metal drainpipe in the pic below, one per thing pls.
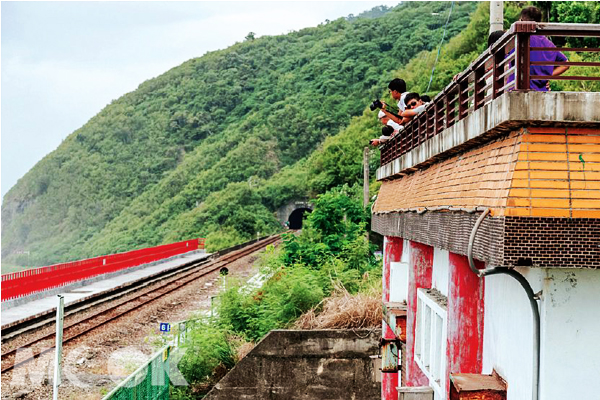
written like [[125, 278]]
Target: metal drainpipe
[[532, 301]]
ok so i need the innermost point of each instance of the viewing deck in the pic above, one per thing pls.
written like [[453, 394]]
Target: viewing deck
[[489, 143], [493, 95]]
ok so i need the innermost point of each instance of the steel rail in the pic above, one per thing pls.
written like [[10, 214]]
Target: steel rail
[[49, 317], [211, 267]]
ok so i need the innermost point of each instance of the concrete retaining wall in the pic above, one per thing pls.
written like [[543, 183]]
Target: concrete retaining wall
[[293, 364]]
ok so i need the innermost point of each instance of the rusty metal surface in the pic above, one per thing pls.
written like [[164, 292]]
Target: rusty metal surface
[[394, 315], [476, 382], [389, 359]]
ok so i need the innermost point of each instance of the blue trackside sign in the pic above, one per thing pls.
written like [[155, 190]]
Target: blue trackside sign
[[165, 327]]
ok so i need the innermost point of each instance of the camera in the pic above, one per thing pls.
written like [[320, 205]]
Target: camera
[[376, 104]]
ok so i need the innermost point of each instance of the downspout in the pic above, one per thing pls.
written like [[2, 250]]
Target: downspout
[[532, 300]]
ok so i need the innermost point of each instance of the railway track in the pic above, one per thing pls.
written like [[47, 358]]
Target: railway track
[[149, 291]]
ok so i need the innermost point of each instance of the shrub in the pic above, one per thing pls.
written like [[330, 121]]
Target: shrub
[[206, 347]]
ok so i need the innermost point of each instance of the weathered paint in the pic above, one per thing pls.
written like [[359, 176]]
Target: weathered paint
[[392, 253], [394, 314], [389, 357], [420, 271], [570, 322], [477, 387], [465, 318]]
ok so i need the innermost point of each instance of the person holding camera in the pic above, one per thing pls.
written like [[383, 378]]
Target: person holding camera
[[385, 120], [390, 129], [398, 92], [397, 88], [386, 133]]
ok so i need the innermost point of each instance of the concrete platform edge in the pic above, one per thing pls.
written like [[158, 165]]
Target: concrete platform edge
[[54, 291]]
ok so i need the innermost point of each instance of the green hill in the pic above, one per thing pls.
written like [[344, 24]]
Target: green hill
[[213, 147]]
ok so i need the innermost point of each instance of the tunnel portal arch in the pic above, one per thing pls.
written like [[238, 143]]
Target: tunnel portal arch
[[292, 214]]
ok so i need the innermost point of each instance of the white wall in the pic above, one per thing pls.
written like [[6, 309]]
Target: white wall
[[398, 282], [507, 333], [570, 333], [441, 270], [399, 276]]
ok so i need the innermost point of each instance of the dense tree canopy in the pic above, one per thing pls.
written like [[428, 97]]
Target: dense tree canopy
[[213, 147]]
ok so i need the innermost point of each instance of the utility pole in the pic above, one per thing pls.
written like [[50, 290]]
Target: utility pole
[[60, 310], [366, 177], [366, 180], [496, 16]]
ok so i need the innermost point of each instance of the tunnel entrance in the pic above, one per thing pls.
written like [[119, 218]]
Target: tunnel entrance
[[295, 219]]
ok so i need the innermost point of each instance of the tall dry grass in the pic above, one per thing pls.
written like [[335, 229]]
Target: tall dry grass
[[344, 311]]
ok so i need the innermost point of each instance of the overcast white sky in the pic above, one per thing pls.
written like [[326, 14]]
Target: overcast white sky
[[62, 62]]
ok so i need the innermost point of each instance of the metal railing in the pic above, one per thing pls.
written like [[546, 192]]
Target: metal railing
[[503, 67], [23, 283]]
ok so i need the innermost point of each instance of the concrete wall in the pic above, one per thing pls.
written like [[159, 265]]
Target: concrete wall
[[420, 271], [392, 290], [291, 364], [507, 333], [570, 331], [570, 322]]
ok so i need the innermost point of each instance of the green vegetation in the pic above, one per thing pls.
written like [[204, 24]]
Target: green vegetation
[[155, 164], [331, 252], [214, 147]]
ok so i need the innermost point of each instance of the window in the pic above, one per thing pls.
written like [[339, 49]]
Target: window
[[430, 338]]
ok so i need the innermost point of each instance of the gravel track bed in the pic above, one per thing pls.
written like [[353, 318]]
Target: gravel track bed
[[96, 360], [27, 337]]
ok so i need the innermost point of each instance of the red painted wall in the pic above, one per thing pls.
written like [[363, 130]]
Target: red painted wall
[[391, 253], [465, 317], [420, 276]]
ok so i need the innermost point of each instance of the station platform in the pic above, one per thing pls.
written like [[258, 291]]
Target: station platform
[[46, 302]]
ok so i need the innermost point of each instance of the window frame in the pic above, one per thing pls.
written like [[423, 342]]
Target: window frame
[[431, 335]]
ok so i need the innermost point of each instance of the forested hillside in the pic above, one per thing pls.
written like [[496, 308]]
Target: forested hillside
[[156, 164], [213, 147]]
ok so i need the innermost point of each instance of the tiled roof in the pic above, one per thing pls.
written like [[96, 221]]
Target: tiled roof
[[543, 172]]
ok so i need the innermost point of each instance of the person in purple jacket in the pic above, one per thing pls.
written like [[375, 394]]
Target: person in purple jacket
[[533, 14]]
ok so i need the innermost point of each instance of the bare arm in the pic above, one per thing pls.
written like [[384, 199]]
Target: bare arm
[[561, 69], [390, 115], [411, 113]]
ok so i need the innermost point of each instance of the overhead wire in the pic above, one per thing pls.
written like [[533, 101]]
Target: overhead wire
[[440, 46]]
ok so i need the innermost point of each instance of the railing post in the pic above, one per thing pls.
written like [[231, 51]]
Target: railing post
[[451, 106], [431, 115], [447, 103], [420, 138], [497, 58], [439, 111], [478, 92], [523, 34], [463, 94]]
